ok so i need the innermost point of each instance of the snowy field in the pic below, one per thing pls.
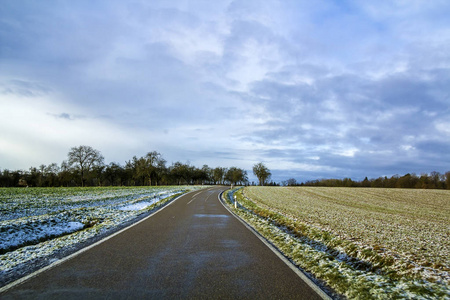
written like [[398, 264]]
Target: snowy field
[[364, 243], [37, 222]]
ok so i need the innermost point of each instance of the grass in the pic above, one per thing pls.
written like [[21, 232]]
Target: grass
[[411, 223], [365, 243], [35, 222]]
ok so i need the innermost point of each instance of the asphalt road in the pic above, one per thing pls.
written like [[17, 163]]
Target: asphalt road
[[193, 248]]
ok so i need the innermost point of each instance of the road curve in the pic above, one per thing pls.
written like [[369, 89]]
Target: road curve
[[193, 248]]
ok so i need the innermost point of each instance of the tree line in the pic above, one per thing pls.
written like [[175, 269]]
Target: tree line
[[85, 167], [433, 180]]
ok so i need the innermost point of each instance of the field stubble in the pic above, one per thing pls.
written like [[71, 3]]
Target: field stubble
[[399, 232], [40, 224]]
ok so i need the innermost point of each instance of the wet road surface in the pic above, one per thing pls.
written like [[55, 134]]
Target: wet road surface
[[193, 248]]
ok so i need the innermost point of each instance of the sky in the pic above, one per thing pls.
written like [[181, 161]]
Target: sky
[[313, 89]]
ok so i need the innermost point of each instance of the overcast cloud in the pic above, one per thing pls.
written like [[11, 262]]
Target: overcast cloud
[[313, 89]]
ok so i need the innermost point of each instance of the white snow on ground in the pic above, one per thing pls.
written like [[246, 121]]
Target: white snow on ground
[[302, 251], [14, 236], [137, 206], [37, 223]]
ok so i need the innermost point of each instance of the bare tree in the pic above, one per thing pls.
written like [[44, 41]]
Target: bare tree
[[262, 172], [291, 182], [84, 158], [180, 172], [156, 164], [447, 180], [236, 175], [218, 175]]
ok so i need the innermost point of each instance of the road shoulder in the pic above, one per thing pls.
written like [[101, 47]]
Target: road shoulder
[[308, 279]]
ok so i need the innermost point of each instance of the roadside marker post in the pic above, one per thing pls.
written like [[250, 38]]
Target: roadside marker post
[[235, 202]]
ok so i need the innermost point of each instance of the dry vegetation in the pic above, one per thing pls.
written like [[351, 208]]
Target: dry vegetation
[[399, 236], [412, 223], [37, 223]]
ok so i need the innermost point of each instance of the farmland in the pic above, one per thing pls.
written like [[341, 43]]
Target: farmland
[[365, 242], [37, 223]]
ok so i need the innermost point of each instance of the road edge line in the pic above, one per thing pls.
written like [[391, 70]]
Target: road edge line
[[69, 257], [278, 253]]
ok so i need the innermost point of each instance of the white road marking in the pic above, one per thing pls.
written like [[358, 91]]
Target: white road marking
[[64, 259], [278, 253], [208, 197], [193, 197], [191, 201]]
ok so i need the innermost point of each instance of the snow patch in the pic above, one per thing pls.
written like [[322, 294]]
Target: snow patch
[[137, 206], [15, 235], [37, 222]]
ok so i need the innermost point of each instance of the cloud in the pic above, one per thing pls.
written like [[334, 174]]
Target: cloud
[[328, 89], [35, 132], [22, 87], [366, 119], [65, 116]]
